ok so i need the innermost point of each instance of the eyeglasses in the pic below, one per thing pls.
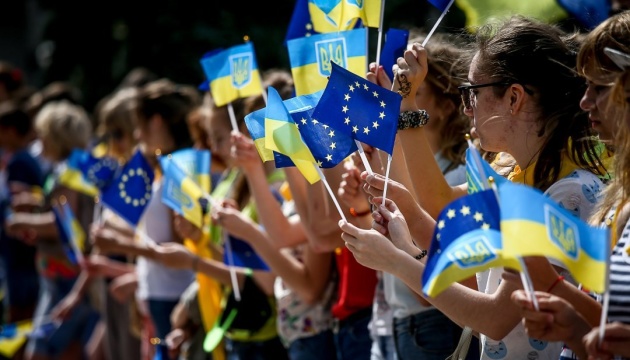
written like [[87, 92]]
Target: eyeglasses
[[466, 91]]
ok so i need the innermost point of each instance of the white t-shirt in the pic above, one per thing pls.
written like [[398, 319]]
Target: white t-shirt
[[578, 192], [156, 281]]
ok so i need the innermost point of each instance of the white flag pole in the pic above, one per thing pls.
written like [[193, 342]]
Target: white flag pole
[[389, 163], [363, 157], [332, 195], [437, 23], [606, 295], [380, 36]]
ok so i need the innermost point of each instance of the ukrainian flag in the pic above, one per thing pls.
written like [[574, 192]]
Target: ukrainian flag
[[478, 171], [196, 164], [232, 73], [335, 15], [180, 192], [532, 224], [283, 136], [13, 336], [310, 58]]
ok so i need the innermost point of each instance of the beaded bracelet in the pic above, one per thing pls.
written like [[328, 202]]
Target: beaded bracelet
[[412, 119]]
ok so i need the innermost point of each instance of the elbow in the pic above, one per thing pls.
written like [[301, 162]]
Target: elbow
[[498, 332]]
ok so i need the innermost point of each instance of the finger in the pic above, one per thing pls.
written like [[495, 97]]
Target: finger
[[378, 227], [348, 228]]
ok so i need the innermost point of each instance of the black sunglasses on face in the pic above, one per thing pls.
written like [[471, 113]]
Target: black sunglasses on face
[[465, 91]]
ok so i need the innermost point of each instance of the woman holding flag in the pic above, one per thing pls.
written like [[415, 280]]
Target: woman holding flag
[[524, 101], [604, 51]]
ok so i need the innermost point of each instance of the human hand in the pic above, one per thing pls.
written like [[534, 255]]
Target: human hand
[[244, 152], [174, 341], [233, 221], [19, 226], [389, 221], [174, 255], [350, 190], [95, 265], [378, 76], [369, 247], [411, 70], [616, 342], [397, 192], [123, 287], [556, 319], [24, 197], [106, 239]]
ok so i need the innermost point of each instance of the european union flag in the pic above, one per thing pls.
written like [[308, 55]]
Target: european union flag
[[359, 109], [466, 240], [196, 164], [233, 73], [71, 233], [478, 171], [130, 192], [310, 57], [244, 255], [336, 15], [395, 46], [282, 135], [180, 192], [544, 228]]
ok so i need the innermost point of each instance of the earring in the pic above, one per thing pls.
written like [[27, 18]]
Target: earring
[[510, 111]]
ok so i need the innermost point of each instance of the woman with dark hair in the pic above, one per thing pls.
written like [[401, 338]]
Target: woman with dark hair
[[523, 97]]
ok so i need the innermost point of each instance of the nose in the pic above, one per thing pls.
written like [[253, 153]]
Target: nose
[[587, 103]]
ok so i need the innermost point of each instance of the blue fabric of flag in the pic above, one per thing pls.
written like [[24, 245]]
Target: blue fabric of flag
[[64, 231], [478, 171], [359, 109], [244, 255], [395, 46], [589, 13], [300, 24], [130, 192], [440, 4]]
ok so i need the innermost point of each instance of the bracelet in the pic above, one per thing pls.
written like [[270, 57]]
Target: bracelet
[[422, 254], [354, 213], [195, 263], [560, 278], [412, 119]]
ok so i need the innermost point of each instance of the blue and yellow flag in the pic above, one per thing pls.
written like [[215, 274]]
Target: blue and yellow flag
[[130, 192], [180, 192], [310, 58], [71, 233], [233, 73], [283, 136], [338, 15], [88, 173], [359, 109], [13, 336], [466, 240], [532, 224], [196, 164], [478, 171]]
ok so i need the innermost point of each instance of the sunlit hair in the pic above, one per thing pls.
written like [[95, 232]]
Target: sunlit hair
[[448, 69], [618, 189], [542, 58], [66, 124], [614, 32]]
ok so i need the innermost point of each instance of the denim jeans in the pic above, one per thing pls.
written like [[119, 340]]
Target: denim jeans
[[383, 348], [316, 347], [160, 311], [429, 335], [352, 339]]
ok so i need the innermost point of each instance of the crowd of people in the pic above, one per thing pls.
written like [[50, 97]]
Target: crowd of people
[[546, 108]]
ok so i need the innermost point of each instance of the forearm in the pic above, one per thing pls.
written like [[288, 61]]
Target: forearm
[[463, 305], [112, 269], [269, 211], [585, 305]]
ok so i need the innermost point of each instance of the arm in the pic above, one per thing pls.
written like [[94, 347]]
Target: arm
[[423, 169], [269, 211]]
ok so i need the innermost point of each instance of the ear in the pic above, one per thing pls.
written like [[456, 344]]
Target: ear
[[517, 98]]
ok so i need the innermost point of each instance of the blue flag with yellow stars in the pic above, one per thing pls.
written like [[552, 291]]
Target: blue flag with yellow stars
[[357, 108], [87, 173], [466, 240], [130, 192]]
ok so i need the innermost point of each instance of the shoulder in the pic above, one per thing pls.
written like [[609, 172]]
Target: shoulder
[[578, 192]]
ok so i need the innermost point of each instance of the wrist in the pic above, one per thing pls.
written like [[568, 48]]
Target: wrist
[[194, 264], [412, 119]]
